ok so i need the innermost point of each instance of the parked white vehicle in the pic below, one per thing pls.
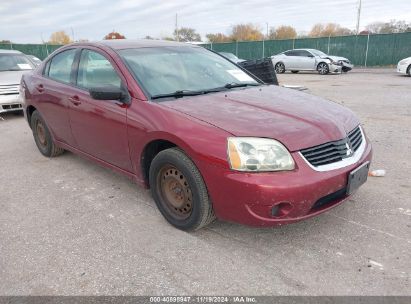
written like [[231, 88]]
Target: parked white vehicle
[[404, 66], [13, 64], [310, 60]]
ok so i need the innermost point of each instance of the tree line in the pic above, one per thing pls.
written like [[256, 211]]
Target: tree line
[[252, 32]]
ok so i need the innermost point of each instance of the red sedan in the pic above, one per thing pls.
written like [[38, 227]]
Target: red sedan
[[208, 138]]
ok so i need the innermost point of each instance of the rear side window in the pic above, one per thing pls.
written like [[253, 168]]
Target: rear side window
[[303, 53], [290, 53], [95, 71], [60, 66]]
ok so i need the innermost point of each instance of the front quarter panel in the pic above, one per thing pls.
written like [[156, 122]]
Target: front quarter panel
[[149, 121]]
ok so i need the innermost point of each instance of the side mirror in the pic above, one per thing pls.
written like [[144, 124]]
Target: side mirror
[[109, 93]]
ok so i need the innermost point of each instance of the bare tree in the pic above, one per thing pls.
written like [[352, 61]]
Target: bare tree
[[114, 35], [218, 37], [59, 37], [329, 29], [186, 34], [246, 32], [394, 26], [282, 32]]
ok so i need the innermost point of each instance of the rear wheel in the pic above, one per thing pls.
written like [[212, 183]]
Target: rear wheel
[[280, 68], [323, 68], [294, 72], [409, 70], [42, 136], [179, 190]]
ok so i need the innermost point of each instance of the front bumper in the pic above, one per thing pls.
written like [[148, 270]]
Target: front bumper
[[10, 103], [402, 68], [347, 67], [249, 198], [335, 68]]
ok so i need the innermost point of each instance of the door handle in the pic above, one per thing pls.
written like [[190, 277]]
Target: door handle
[[40, 88], [75, 100]]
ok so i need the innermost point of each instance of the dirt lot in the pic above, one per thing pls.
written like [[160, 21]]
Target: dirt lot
[[70, 227]]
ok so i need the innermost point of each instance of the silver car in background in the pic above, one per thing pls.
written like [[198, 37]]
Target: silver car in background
[[310, 60], [404, 66], [13, 64]]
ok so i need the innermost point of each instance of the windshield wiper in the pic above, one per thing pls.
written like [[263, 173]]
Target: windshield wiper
[[178, 94], [183, 93], [240, 85]]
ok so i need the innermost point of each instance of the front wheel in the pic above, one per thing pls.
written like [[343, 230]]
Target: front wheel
[[280, 68], [409, 70], [179, 190], [323, 68], [42, 136]]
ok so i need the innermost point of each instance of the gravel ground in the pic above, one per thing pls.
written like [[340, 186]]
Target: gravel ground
[[70, 227]]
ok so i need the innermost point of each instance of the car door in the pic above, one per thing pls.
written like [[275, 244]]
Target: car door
[[51, 93], [307, 60], [99, 126], [291, 60]]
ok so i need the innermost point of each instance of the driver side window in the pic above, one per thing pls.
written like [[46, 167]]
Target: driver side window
[[95, 71]]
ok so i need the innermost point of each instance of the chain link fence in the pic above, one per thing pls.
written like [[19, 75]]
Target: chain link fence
[[362, 50], [39, 50]]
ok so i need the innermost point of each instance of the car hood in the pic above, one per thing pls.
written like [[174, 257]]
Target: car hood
[[335, 58], [11, 77], [296, 119]]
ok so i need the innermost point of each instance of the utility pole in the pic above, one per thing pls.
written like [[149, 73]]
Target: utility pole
[[72, 34], [267, 30], [358, 17], [177, 38]]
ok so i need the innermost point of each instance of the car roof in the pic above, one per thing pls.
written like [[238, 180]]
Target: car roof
[[9, 52], [120, 44]]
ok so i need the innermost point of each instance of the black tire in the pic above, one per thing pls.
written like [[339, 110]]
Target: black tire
[[42, 136], [409, 70], [323, 68], [188, 183], [279, 68], [294, 72]]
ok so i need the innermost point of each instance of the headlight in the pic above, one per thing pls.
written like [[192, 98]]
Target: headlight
[[258, 154], [402, 62]]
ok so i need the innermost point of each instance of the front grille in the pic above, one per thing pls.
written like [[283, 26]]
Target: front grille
[[12, 89], [12, 106], [334, 151]]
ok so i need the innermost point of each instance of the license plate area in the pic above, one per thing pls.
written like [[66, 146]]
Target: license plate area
[[357, 177]]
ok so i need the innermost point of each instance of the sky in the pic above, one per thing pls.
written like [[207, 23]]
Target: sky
[[31, 21]]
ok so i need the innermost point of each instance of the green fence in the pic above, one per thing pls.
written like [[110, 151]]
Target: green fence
[[363, 50], [39, 50]]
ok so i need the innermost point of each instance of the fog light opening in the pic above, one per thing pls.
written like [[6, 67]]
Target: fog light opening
[[281, 209]]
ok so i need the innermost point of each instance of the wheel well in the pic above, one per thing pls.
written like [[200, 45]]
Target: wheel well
[[149, 152], [320, 63], [29, 111]]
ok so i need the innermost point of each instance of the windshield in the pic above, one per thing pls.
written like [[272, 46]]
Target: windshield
[[14, 62], [318, 53], [164, 70]]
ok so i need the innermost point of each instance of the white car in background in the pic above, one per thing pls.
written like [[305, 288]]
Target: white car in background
[[13, 64], [310, 60], [404, 66]]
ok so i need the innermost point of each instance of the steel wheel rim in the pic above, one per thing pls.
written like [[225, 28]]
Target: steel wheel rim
[[41, 133], [175, 192]]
